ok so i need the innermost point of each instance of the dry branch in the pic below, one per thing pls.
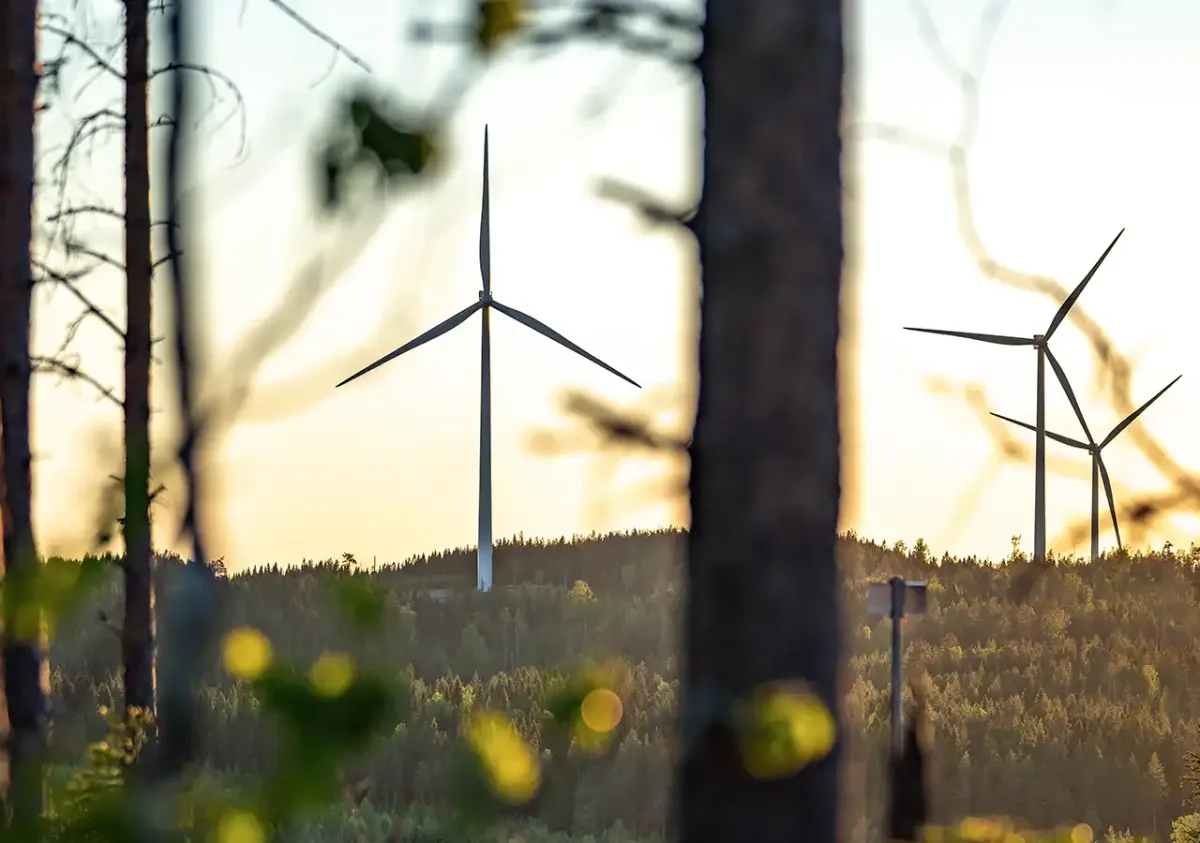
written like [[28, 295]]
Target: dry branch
[[72, 371]]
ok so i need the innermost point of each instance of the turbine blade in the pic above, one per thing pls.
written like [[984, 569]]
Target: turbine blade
[[1112, 506], [997, 339], [1066, 440], [1071, 299], [1129, 419], [546, 331], [432, 334], [1066, 385], [485, 230]]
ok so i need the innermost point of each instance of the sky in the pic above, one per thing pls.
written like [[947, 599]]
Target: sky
[[1088, 125]]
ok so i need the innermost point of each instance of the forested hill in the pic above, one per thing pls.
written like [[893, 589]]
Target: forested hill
[[1076, 703]]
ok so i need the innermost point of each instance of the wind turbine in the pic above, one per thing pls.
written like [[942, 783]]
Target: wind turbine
[[1098, 469], [1041, 343], [485, 305]]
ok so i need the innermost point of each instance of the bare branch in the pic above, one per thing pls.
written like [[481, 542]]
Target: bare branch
[[165, 259], [70, 371], [98, 61], [68, 282], [209, 75], [88, 127], [76, 248], [68, 213], [311, 29]]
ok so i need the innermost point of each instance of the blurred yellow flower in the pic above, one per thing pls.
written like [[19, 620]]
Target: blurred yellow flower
[[788, 728], [240, 827], [331, 674], [601, 710], [980, 829], [246, 653], [1082, 833], [512, 768]]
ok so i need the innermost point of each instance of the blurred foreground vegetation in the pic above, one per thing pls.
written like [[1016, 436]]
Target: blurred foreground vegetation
[[1069, 706]]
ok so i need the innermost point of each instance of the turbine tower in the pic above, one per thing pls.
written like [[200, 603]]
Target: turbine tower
[[1041, 343], [1098, 469], [485, 305]]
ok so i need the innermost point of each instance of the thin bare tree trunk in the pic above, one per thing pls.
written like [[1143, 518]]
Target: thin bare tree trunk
[[23, 650], [765, 476], [137, 641]]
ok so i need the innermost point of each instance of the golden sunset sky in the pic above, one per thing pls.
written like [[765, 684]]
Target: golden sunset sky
[[1089, 124]]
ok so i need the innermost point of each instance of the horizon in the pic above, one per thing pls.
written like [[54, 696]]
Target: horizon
[[388, 469], [1180, 554]]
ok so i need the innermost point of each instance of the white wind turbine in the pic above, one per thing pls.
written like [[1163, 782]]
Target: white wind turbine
[[1041, 343], [1098, 470], [485, 304]]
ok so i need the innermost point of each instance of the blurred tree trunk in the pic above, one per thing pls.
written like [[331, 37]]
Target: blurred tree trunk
[[137, 640], [765, 460], [23, 650]]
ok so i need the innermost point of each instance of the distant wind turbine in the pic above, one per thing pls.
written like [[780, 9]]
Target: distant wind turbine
[[1098, 469], [1041, 343], [485, 304]]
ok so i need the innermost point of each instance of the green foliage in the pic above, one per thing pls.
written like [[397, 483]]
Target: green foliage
[[369, 140], [52, 590], [495, 21], [361, 602], [323, 728]]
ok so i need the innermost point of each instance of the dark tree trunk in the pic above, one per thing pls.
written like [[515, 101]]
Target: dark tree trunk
[[23, 650], [137, 641], [763, 583]]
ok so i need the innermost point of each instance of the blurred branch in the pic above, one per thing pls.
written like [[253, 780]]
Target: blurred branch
[[191, 610], [654, 211], [609, 436], [613, 21], [620, 430]]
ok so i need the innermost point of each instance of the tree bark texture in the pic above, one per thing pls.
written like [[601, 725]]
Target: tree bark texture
[[23, 650], [137, 640], [763, 583]]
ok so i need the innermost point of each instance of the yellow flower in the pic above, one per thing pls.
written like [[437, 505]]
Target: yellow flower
[[246, 653]]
